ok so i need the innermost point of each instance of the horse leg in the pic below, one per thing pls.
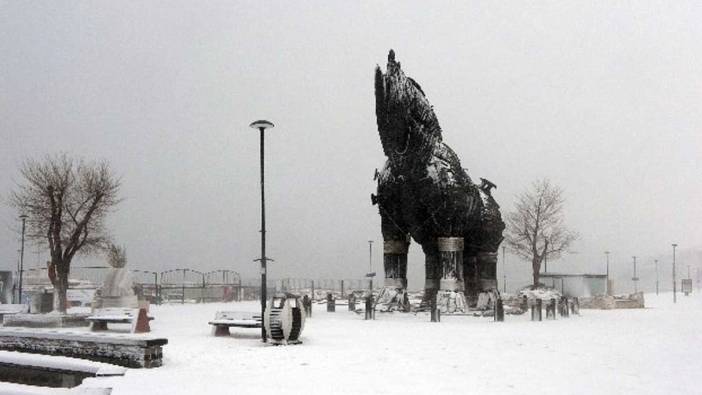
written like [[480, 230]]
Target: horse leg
[[471, 275], [393, 296]]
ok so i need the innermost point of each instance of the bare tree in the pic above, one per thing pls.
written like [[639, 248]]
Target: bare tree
[[116, 256], [67, 201], [535, 229]]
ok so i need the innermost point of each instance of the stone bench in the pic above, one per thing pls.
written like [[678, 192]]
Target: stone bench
[[138, 319], [225, 319], [8, 309], [50, 370], [132, 351]]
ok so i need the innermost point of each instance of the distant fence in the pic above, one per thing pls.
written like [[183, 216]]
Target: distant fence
[[339, 286], [185, 285]]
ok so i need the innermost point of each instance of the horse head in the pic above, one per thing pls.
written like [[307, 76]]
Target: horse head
[[406, 121]]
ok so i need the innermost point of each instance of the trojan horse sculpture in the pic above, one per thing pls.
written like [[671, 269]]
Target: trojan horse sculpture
[[424, 194]]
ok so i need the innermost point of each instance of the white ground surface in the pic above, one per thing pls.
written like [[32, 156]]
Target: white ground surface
[[656, 350]]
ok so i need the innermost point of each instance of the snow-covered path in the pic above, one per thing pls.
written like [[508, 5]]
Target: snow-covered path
[[650, 351]]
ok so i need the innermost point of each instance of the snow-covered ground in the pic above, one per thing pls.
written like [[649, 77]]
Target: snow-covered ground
[[656, 350]]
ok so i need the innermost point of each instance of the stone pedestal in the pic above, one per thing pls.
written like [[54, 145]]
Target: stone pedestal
[[450, 297], [393, 296]]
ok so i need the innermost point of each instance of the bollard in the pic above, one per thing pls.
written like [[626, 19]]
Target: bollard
[[306, 305], [524, 305], [563, 307], [551, 309], [536, 310], [331, 303], [352, 302], [369, 308], [435, 312], [499, 310]]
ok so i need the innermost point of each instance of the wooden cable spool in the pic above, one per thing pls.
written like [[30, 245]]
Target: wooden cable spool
[[284, 319]]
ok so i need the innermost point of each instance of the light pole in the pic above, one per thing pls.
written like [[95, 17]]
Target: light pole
[[607, 272], [23, 217], [370, 265], [656, 262], [262, 125], [635, 279], [675, 300], [504, 271]]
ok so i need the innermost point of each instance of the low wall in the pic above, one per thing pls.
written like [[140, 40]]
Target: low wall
[[632, 301]]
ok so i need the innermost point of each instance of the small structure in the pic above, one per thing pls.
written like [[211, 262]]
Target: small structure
[[686, 286], [284, 319], [576, 285]]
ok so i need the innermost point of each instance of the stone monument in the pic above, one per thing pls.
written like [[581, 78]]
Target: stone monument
[[425, 194], [117, 288]]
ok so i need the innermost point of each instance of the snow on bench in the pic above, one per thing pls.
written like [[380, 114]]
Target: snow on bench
[[136, 317], [52, 371], [225, 319], [57, 363], [132, 351], [23, 389]]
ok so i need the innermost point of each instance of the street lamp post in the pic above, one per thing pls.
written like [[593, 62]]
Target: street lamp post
[[607, 272], [262, 125], [23, 217], [504, 270], [370, 265], [675, 288], [635, 279]]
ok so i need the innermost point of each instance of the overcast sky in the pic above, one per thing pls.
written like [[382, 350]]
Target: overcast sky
[[604, 99]]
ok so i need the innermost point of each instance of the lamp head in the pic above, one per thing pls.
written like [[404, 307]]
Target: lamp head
[[261, 124], [24, 216]]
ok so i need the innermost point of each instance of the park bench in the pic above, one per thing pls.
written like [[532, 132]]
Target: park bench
[[8, 309], [123, 349], [225, 319], [138, 319], [51, 370]]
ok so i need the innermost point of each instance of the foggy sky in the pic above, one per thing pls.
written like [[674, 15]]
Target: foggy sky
[[604, 99]]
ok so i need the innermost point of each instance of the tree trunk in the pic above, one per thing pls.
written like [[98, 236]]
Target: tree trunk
[[536, 268], [61, 288]]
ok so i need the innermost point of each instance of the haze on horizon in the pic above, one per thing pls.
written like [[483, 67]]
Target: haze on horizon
[[603, 99]]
